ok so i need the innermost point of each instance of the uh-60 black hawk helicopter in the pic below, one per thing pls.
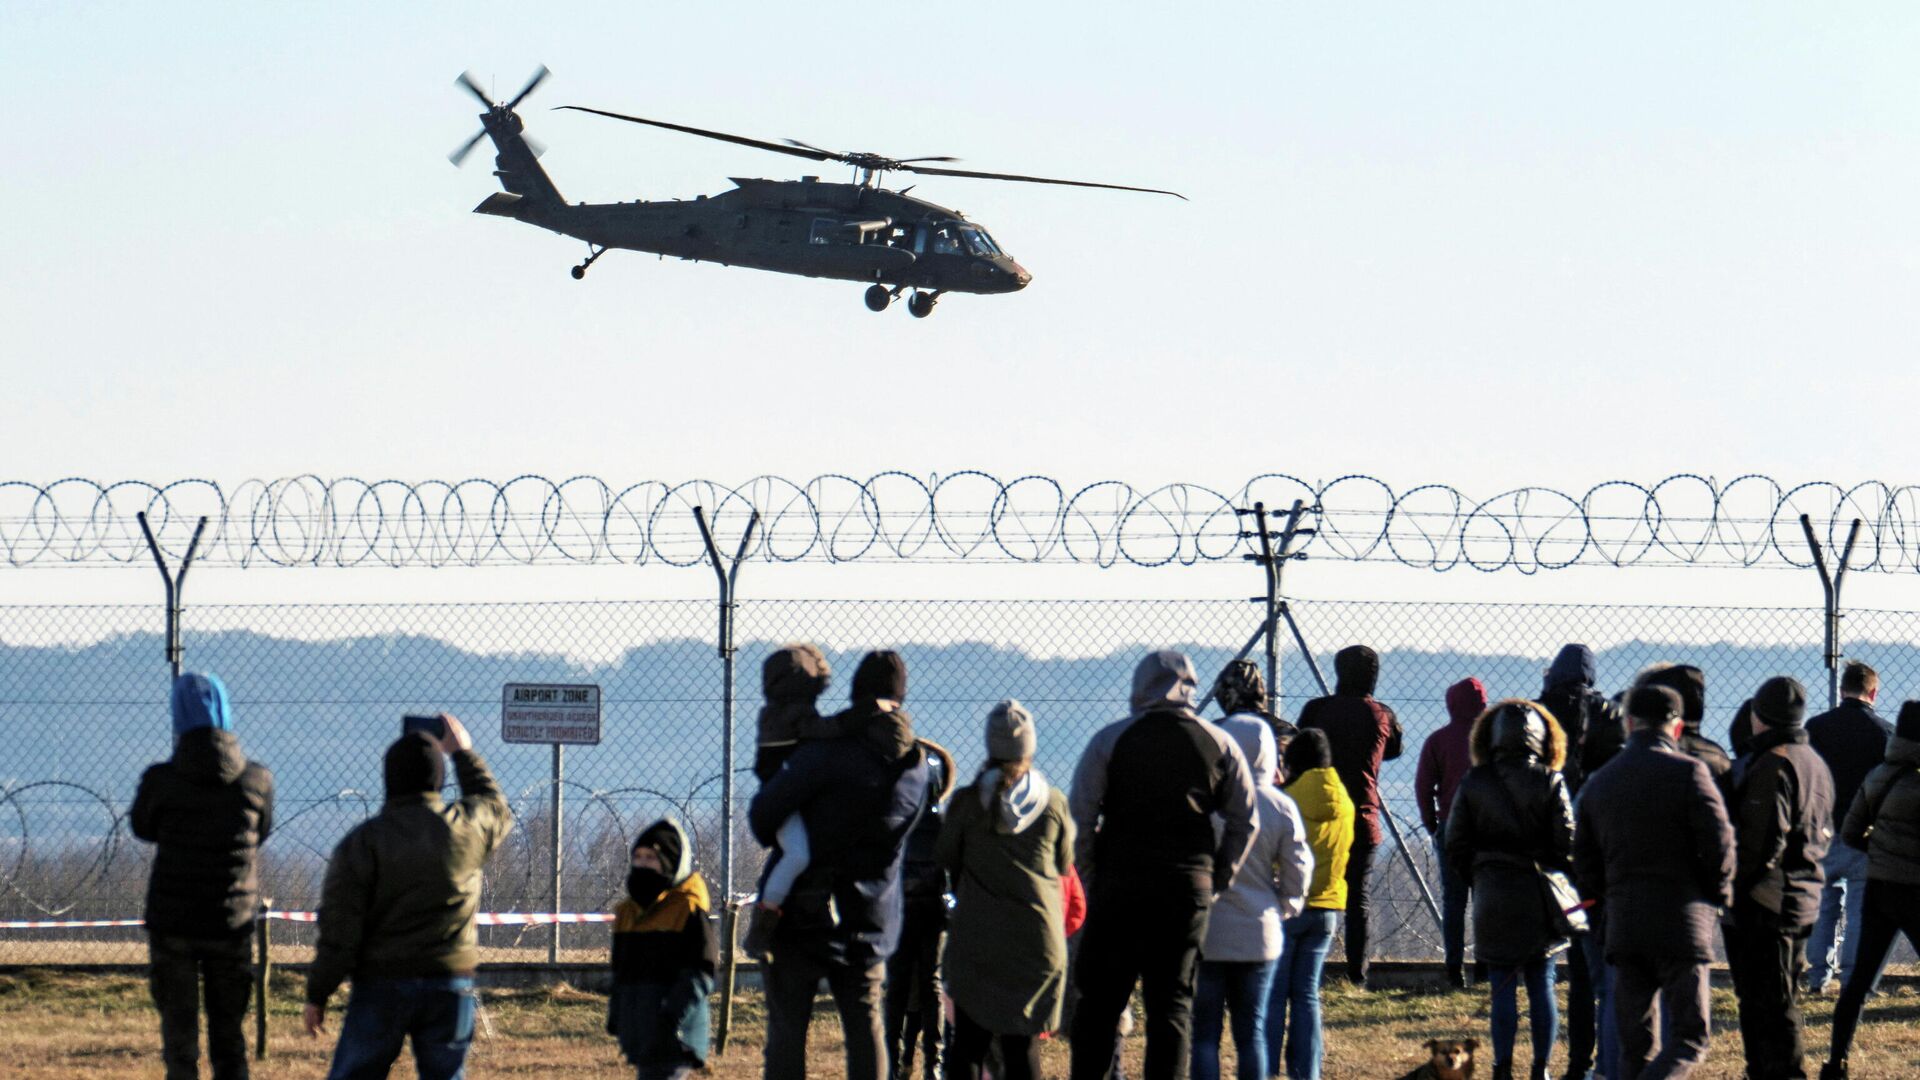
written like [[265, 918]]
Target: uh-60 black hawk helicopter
[[853, 232]]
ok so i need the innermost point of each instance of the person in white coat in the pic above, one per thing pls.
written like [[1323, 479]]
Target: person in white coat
[[1243, 934]]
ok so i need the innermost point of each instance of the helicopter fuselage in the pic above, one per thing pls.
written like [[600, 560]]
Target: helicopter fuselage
[[848, 232]]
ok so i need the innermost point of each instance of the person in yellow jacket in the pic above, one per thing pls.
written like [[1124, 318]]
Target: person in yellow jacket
[[1293, 1008]]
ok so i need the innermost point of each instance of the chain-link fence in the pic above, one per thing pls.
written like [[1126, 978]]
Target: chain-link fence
[[318, 692]]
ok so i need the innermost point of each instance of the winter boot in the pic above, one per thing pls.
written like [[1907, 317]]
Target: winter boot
[[1503, 1070], [760, 927], [1457, 977], [1834, 1070]]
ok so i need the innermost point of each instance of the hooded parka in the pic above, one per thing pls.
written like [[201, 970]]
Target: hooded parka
[[1363, 733], [1511, 818], [1006, 958], [1271, 887], [1893, 848], [1446, 755], [1594, 728], [208, 809], [664, 957]]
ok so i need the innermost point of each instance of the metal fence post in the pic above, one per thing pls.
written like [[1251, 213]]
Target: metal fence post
[[263, 978], [1830, 582], [557, 807], [728, 576], [176, 584]]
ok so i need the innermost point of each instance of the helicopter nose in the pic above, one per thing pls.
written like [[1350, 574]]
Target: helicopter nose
[[1020, 276]]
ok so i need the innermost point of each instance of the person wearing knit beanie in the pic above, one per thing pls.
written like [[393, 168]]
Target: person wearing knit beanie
[[1010, 735], [206, 810], [1781, 806], [881, 676]]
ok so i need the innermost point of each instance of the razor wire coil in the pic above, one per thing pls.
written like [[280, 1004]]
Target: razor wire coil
[[1683, 520]]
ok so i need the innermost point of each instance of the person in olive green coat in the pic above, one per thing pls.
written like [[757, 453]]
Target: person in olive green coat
[[397, 912], [1007, 841]]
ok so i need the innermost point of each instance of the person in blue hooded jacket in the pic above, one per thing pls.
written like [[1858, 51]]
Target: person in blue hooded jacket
[[207, 809]]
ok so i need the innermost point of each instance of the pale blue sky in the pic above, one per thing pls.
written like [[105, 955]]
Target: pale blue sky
[[1480, 244]]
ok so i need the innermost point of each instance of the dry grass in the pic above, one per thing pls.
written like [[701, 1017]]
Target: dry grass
[[100, 1026]]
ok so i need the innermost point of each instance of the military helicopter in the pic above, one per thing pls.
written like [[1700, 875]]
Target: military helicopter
[[858, 231]]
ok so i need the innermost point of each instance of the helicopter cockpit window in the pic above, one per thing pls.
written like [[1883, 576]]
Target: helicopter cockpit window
[[979, 242], [943, 241]]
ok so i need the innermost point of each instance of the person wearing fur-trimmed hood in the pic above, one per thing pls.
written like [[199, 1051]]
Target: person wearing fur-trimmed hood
[[1511, 820], [664, 956]]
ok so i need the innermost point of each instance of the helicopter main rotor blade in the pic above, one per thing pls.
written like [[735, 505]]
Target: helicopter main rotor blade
[[1036, 180], [532, 85], [466, 80], [911, 160], [740, 140], [459, 156]]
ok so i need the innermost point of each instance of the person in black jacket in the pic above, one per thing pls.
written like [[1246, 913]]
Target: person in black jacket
[[1783, 820], [1884, 821], [208, 809], [1595, 732], [1652, 845], [1852, 739], [913, 1010], [1145, 796], [1512, 818], [1691, 684], [860, 796]]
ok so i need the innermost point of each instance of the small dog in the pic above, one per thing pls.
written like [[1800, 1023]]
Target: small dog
[[1451, 1059]]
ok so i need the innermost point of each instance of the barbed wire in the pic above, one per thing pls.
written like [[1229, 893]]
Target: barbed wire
[[1683, 520]]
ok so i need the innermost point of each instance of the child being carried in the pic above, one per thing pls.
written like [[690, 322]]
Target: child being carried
[[793, 678]]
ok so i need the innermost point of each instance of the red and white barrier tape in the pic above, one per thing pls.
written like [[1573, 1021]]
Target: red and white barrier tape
[[485, 918], [63, 924]]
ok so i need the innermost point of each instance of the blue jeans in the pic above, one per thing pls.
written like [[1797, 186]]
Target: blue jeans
[[435, 1012], [1453, 907], [1541, 1008], [1237, 988], [1833, 946], [1293, 1005]]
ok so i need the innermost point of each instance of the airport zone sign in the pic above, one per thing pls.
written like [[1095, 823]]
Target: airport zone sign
[[550, 713]]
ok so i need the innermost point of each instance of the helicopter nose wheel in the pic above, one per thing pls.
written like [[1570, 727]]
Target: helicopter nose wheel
[[878, 297], [920, 304], [594, 252]]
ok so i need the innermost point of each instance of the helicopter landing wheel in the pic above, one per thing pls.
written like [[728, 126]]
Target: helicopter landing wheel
[[920, 304], [594, 251], [878, 298]]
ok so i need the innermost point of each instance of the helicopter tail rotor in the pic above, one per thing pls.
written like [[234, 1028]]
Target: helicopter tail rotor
[[496, 112]]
